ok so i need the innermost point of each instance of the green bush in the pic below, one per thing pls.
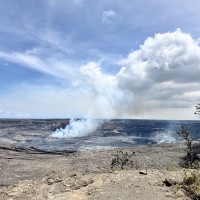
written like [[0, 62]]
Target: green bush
[[191, 159], [191, 184], [122, 160]]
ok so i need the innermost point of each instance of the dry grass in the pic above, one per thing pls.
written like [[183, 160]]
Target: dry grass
[[191, 184]]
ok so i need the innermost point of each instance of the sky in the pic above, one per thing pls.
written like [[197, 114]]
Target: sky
[[99, 59]]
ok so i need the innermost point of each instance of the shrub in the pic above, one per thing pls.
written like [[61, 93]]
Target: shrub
[[191, 159], [191, 184], [197, 112], [122, 160]]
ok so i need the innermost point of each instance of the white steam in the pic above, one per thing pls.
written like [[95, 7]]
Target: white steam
[[165, 137], [77, 128], [162, 74], [159, 78]]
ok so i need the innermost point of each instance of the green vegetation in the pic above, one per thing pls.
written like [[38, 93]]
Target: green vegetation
[[191, 184], [122, 160], [191, 159], [197, 112], [191, 180]]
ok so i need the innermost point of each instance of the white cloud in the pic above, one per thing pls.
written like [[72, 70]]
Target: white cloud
[[162, 74], [46, 65], [102, 90], [165, 68], [108, 16], [52, 39], [62, 3], [159, 80]]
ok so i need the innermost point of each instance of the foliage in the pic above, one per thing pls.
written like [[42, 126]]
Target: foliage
[[191, 181], [197, 112], [191, 184], [191, 159], [122, 160]]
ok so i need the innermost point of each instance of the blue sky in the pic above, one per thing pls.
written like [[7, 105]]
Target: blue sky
[[65, 58]]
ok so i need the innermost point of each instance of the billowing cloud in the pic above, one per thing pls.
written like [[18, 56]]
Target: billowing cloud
[[162, 73], [163, 70], [102, 89], [79, 45], [160, 80]]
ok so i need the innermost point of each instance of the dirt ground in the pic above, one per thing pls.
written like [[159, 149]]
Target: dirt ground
[[28, 174]]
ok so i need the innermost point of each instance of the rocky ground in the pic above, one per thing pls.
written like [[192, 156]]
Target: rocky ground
[[31, 174]]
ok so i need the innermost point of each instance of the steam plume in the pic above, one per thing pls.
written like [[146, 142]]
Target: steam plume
[[162, 73], [77, 128]]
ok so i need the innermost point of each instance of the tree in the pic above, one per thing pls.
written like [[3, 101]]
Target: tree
[[191, 159], [197, 112]]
